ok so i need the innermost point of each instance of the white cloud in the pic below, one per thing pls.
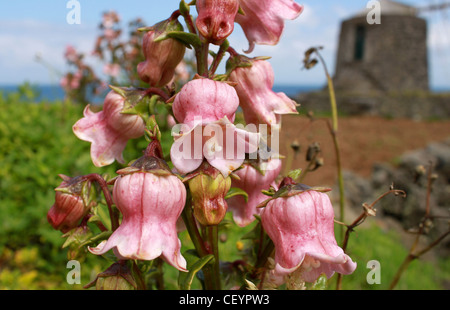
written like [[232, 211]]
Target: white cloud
[[21, 41]]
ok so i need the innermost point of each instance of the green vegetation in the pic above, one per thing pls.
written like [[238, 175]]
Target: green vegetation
[[37, 144], [371, 242]]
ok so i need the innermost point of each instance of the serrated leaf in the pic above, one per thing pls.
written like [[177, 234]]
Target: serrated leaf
[[234, 191]]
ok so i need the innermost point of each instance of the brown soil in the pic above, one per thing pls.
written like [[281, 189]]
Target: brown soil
[[363, 140]]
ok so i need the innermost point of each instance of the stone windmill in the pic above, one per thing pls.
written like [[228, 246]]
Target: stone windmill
[[389, 56], [382, 68]]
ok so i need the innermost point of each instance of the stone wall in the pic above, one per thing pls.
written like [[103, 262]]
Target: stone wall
[[409, 211], [414, 105]]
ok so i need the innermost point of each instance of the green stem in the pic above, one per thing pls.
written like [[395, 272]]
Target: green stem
[[139, 277], [334, 131], [201, 54], [213, 240], [160, 274], [400, 271], [197, 240], [108, 198], [220, 54], [191, 227]]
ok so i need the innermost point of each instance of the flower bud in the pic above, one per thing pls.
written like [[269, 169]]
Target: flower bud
[[215, 20], [161, 56], [208, 190], [116, 277], [74, 198]]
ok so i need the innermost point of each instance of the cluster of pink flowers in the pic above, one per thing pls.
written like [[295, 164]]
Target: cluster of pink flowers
[[211, 153]]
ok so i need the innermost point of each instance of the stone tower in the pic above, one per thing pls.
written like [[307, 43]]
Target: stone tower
[[386, 57]]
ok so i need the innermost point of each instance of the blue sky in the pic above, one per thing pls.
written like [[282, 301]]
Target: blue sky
[[29, 28]]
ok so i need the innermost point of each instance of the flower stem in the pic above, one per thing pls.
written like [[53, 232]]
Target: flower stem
[[109, 201], [412, 255], [220, 54], [213, 240], [358, 221], [334, 130], [197, 240], [201, 54], [191, 226], [139, 277]]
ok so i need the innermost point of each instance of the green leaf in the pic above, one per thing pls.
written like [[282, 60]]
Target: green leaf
[[100, 237], [188, 39], [194, 265], [234, 191], [103, 213]]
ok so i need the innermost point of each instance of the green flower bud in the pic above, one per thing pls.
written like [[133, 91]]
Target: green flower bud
[[208, 190], [116, 277]]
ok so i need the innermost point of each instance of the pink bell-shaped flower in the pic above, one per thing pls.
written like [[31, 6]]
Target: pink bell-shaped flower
[[215, 20], [151, 200], [253, 182], [260, 104], [205, 110], [301, 226], [161, 56], [109, 130], [263, 22]]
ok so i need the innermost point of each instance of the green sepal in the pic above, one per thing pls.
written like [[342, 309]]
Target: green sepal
[[234, 191], [136, 100], [76, 237], [188, 39], [295, 174], [97, 238], [184, 8], [292, 190], [242, 61]]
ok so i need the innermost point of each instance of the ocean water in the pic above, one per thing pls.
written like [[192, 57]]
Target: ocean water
[[55, 92]]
